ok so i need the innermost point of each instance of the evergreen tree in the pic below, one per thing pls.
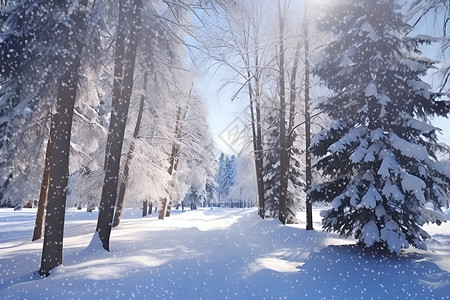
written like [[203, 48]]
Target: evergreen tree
[[32, 61], [193, 196], [296, 187], [210, 191], [219, 175], [384, 179], [296, 184], [229, 175], [226, 174], [271, 169]]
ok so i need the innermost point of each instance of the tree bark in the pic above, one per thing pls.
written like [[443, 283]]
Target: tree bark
[[126, 171], [309, 220], [255, 115], [121, 103], [259, 139], [43, 195], [259, 157], [173, 162], [144, 208], [59, 154], [284, 159], [292, 98]]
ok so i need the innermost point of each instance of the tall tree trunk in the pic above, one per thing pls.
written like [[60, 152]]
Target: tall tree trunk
[[165, 209], [144, 208], [259, 154], [59, 153], [119, 54], [259, 139], [162, 211], [284, 158], [290, 127], [255, 115], [126, 171], [177, 160], [309, 220], [121, 102], [37, 234], [292, 97]]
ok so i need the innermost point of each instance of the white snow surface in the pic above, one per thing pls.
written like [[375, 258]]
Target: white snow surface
[[216, 254]]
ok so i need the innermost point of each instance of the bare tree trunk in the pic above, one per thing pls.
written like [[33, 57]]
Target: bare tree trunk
[[162, 211], [126, 171], [121, 103], [309, 220], [43, 195], [122, 188], [90, 207], [284, 159], [292, 97], [173, 154], [259, 139], [259, 157], [177, 160], [255, 114], [169, 208], [144, 208], [59, 154]]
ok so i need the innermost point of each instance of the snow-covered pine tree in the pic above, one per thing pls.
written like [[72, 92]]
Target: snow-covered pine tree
[[296, 185], [271, 171], [230, 174], [31, 65], [210, 190], [193, 196], [218, 176], [225, 176], [378, 153]]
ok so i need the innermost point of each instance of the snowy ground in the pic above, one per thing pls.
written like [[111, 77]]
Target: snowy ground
[[218, 254]]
